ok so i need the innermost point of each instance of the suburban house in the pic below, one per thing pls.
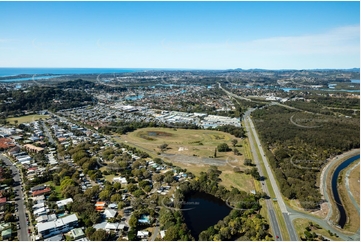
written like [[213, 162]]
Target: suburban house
[[33, 148], [58, 237], [110, 213], [41, 192], [114, 226], [62, 203], [100, 206], [14, 150], [77, 233], [142, 234], [2, 203], [122, 180], [6, 143], [6, 234]]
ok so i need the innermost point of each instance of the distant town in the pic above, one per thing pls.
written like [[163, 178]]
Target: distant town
[[117, 156]]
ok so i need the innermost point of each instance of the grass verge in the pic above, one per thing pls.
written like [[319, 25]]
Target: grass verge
[[300, 225], [354, 180], [282, 224], [27, 118]]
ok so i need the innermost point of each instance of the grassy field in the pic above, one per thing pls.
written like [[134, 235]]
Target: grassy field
[[354, 180], [238, 180], [57, 189], [27, 118], [191, 144], [301, 224], [201, 143]]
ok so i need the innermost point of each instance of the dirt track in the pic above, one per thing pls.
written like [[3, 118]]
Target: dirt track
[[194, 159]]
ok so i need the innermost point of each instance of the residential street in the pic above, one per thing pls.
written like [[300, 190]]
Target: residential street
[[23, 232], [48, 133]]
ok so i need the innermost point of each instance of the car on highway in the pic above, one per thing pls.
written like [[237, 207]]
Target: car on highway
[[277, 237]]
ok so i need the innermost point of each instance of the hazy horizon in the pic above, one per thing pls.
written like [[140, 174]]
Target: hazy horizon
[[181, 35]]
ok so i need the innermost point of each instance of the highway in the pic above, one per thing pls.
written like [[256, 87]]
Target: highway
[[274, 223], [233, 95], [271, 213], [289, 214], [23, 231]]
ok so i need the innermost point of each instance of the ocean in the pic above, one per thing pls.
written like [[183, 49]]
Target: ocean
[[64, 71]]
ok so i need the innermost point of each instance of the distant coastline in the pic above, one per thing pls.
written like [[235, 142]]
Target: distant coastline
[[13, 72]]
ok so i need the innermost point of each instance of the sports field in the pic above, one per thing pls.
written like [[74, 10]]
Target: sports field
[[27, 118]]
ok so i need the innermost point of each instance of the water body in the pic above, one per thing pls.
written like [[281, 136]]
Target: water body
[[65, 71], [30, 78], [355, 81], [341, 209], [207, 211]]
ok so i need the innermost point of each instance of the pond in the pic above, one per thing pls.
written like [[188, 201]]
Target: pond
[[204, 211]]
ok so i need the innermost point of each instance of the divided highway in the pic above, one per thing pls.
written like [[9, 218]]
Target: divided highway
[[271, 213], [274, 223]]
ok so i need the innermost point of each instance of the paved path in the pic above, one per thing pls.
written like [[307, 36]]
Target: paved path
[[155, 233]]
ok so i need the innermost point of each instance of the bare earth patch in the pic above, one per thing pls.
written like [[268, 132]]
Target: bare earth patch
[[194, 159]]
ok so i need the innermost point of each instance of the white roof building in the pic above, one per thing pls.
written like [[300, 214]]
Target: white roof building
[[110, 213], [64, 202], [61, 225], [143, 234], [120, 179]]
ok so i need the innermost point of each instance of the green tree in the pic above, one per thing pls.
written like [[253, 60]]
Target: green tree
[[163, 147], [223, 147], [116, 198], [104, 195], [89, 231], [133, 221], [247, 162], [99, 235], [236, 151], [234, 142], [132, 235]]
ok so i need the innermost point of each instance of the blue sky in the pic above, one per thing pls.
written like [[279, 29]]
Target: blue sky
[[197, 35]]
